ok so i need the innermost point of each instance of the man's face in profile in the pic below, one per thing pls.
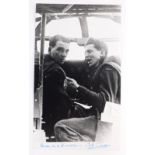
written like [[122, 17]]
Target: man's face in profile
[[60, 51], [92, 55]]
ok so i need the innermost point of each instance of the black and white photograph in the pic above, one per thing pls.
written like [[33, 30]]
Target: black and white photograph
[[77, 73], [77, 77]]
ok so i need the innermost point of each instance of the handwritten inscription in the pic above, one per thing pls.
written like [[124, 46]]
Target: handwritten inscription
[[75, 145]]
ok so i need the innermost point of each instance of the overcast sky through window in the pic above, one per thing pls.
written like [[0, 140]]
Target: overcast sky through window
[[98, 27]]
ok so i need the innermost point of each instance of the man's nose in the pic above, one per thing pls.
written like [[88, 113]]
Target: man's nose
[[64, 54], [86, 54]]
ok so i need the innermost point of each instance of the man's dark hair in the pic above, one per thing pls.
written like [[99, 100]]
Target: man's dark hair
[[53, 40], [98, 44]]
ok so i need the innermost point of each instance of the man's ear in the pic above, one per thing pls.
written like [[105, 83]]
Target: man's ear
[[49, 49], [103, 53]]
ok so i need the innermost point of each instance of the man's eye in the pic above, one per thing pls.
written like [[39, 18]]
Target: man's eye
[[89, 51], [60, 49]]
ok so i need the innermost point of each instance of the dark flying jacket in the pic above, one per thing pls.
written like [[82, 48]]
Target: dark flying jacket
[[101, 84], [55, 98]]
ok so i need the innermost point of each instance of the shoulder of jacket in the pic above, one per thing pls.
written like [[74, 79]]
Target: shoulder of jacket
[[110, 66]]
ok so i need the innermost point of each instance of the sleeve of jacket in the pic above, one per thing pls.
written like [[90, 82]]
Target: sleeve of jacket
[[55, 77], [107, 90]]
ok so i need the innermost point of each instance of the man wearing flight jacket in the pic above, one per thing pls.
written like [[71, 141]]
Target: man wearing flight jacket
[[102, 84]]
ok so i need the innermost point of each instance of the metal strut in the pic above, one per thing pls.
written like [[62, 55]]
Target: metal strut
[[41, 63]]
